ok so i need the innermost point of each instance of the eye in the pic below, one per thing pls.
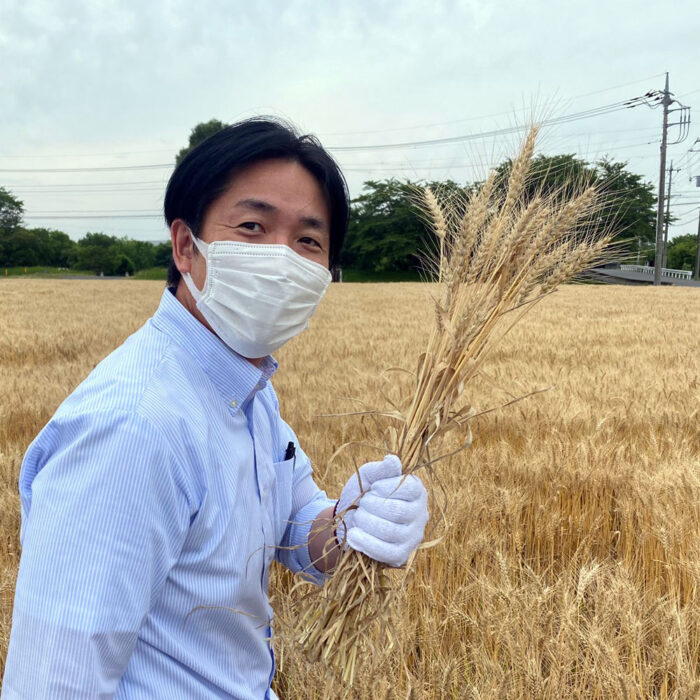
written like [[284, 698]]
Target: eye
[[307, 240], [251, 226]]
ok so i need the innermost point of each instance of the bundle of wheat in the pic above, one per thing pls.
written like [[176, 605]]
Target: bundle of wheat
[[500, 252]]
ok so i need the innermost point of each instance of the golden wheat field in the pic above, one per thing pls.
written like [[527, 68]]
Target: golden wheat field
[[570, 564]]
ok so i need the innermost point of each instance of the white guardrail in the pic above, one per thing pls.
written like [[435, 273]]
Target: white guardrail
[[665, 272]]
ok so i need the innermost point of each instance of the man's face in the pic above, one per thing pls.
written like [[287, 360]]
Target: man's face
[[272, 201]]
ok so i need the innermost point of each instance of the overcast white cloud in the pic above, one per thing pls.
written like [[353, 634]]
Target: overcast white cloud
[[106, 83]]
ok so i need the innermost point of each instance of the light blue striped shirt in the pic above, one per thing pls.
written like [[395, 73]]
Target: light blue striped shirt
[[153, 503]]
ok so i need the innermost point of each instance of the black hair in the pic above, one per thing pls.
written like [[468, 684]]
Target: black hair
[[206, 172]]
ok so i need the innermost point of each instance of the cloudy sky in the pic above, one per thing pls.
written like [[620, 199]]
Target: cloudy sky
[[98, 96]]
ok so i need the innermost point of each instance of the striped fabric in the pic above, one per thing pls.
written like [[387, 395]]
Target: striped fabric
[[153, 503]]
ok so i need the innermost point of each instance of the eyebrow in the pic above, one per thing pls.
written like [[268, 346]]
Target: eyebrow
[[257, 204], [266, 207]]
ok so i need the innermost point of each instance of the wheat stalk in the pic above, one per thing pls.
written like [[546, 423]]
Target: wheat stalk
[[497, 259]]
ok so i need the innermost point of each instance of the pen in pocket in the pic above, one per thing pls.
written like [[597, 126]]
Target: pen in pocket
[[291, 452]]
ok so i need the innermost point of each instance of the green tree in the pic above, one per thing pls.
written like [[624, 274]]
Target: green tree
[[54, 248], [682, 251], [549, 175], [200, 133], [97, 252], [163, 254], [122, 264], [20, 248], [142, 254], [11, 211], [632, 204], [37, 246], [385, 233], [630, 209]]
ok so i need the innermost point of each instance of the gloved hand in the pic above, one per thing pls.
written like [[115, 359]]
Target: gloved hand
[[389, 519]]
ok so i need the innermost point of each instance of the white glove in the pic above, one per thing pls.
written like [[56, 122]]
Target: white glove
[[386, 518]]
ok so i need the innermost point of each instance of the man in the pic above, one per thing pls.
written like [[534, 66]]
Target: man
[[157, 496]]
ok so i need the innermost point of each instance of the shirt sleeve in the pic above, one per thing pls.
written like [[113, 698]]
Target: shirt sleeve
[[308, 500], [105, 513]]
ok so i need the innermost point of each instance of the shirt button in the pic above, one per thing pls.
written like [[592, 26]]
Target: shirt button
[[234, 403]]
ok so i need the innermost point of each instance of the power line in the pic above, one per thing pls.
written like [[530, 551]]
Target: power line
[[485, 116], [690, 154], [126, 190], [430, 165], [161, 183], [141, 214], [690, 219], [86, 184], [110, 168], [95, 216], [103, 211], [97, 187], [558, 136], [576, 116], [90, 154], [377, 167], [371, 167], [617, 87], [349, 133]]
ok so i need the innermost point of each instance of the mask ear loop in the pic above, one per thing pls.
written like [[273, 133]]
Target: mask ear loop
[[203, 248]]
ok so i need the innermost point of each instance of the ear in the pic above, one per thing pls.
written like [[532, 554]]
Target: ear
[[183, 247]]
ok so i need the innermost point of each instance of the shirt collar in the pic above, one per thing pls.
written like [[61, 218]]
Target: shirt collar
[[234, 377]]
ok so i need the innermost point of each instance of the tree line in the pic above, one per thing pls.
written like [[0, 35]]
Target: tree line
[[94, 252], [386, 233]]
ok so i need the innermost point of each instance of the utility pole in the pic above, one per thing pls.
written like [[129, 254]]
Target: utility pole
[[696, 272], [664, 257], [684, 123], [658, 256]]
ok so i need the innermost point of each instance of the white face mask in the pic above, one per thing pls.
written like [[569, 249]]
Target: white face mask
[[257, 296]]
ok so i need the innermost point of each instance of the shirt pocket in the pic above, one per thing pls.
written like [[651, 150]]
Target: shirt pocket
[[281, 496]]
